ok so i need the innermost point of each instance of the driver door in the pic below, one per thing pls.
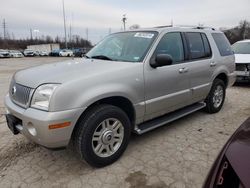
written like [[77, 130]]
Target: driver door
[[167, 88]]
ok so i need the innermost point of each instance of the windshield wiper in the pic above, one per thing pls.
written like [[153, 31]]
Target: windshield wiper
[[101, 57]]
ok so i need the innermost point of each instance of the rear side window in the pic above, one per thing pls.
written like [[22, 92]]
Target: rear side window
[[222, 44], [196, 46]]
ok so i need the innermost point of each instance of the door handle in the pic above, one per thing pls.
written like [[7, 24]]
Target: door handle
[[183, 70], [212, 64]]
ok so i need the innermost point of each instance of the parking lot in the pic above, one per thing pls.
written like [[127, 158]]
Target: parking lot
[[176, 155]]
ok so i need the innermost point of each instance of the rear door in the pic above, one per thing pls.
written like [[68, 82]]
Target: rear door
[[202, 64]]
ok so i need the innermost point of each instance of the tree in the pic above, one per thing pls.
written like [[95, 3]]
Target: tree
[[241, 32], [135, 26]]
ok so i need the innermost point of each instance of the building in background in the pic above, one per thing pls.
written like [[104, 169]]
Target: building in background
[[44, 47]]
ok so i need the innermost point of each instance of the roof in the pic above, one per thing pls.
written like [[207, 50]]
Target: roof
[[242, 41], [179, 28]]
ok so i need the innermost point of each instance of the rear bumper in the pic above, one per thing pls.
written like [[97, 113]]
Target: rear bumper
[[35, 124], [231, 78]]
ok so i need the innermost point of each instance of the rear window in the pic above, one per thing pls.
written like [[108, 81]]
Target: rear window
[[222, 44]]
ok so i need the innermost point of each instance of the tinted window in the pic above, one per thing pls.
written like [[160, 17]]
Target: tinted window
[[171, 44], [222, 44], [208, 52], [196, 46]]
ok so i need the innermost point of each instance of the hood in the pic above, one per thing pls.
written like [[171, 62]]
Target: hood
[[242, 58], [67, 71], [238, 153]]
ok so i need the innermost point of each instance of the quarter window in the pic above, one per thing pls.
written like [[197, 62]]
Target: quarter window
[[171, 44], [222, 44]]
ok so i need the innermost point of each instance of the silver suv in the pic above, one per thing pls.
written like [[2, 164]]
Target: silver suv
[[131, 81]]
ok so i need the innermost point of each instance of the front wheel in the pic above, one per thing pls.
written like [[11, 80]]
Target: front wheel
[[102, 135], [216, 97]]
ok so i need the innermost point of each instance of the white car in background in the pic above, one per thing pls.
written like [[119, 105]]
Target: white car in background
[[29, 53], [43, 53], [66, 53], [4, 53], [15, 53], [242, 59]]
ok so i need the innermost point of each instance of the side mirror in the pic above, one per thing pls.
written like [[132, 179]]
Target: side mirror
[[161, 60]]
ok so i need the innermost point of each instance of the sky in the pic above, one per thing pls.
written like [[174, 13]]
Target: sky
[[99, 16]]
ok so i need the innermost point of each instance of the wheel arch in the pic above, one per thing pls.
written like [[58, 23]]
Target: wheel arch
[[222, 76], [119, 101]]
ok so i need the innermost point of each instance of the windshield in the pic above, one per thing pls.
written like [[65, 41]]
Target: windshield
[[241, 48], [127, 46]]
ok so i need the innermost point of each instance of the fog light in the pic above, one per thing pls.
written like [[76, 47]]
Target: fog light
[[31, 129]]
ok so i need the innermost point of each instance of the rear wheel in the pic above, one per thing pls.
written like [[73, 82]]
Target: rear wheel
[[216, 97], [102, 135]]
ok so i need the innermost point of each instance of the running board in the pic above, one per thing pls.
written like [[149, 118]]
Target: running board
[[158, 122]]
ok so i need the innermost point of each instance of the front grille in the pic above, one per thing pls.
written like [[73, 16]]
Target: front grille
[[241, 67], [20, 94]]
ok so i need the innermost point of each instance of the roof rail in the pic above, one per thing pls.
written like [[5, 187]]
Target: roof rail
[[162, 26], [202, 27], [186, 26], [195, 27]]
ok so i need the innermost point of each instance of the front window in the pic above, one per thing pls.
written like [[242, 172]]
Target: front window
[[171, 44], [241, 48], [126, 46]]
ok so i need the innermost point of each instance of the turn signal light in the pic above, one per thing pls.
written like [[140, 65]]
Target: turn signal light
[[60, 125]]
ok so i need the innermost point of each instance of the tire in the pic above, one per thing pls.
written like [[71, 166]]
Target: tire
[[216, 97], [98, 121]]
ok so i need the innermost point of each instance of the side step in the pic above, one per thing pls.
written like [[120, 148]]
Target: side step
[[158, 122]]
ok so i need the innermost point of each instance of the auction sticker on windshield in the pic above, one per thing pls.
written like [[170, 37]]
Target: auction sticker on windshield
[[144, 35]]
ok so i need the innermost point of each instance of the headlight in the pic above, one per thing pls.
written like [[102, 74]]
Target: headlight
[[42, 95]]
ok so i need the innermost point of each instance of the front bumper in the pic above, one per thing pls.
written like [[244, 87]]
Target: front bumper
[[35, 124], [243, 75]]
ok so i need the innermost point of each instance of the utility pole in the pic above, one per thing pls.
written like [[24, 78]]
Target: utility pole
[[124, 19], [87, 38], [70, 33], [4, 29], [87, 34], [64, 21], [31, 37]]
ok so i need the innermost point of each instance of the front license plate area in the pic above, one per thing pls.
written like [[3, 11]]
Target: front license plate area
[[242, 73]]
